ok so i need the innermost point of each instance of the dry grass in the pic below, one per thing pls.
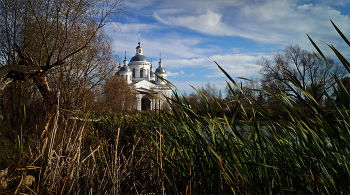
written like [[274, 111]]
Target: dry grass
[[66, 162]]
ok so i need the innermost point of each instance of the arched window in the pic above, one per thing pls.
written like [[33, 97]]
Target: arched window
[[133, 73], [141, 72], [126, 77]]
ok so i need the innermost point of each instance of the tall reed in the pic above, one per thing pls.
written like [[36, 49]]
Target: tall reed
[[302, 151]]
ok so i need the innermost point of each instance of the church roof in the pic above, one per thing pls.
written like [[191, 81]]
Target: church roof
[[160, 70], [139, 58], [144, 90], [144, 84], [125, 69]]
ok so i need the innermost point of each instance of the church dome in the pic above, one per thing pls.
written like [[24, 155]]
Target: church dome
[[139, 58], [125, 69], [160, 70]]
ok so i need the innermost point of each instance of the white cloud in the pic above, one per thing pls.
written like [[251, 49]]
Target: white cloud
[[172, 46], [172, 74], [132, 28], [236, 65], [187, 55], [279, 22], [178, 74], [207, 23], [208, 62]]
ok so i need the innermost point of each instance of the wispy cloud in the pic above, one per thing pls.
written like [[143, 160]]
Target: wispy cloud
[[280, 22], [172, 74], [191, 35], [207, 23], [179, 74], [172, 45]]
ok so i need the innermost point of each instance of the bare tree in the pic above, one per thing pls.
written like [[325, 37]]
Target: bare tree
[[50, 32], [207, 95], [302, 65], [88, 69], [118, 96], [40, 37]]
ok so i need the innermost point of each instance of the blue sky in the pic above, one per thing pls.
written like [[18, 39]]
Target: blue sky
[[192, 34]]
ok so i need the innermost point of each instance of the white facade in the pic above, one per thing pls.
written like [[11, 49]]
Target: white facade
[[141, 78], [125, 72]]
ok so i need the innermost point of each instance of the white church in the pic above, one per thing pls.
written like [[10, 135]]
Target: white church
[[140, 77]]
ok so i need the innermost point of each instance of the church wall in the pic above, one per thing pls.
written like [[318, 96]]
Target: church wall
[[127, 76], [143, 83], [146, 69], [163, 94], [154, 102]]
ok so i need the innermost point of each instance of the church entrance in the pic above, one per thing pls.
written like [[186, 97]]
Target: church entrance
[[145, 104]]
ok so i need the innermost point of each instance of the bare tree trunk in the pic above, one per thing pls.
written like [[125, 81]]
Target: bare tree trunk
[[28, 68], [50, 98]]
